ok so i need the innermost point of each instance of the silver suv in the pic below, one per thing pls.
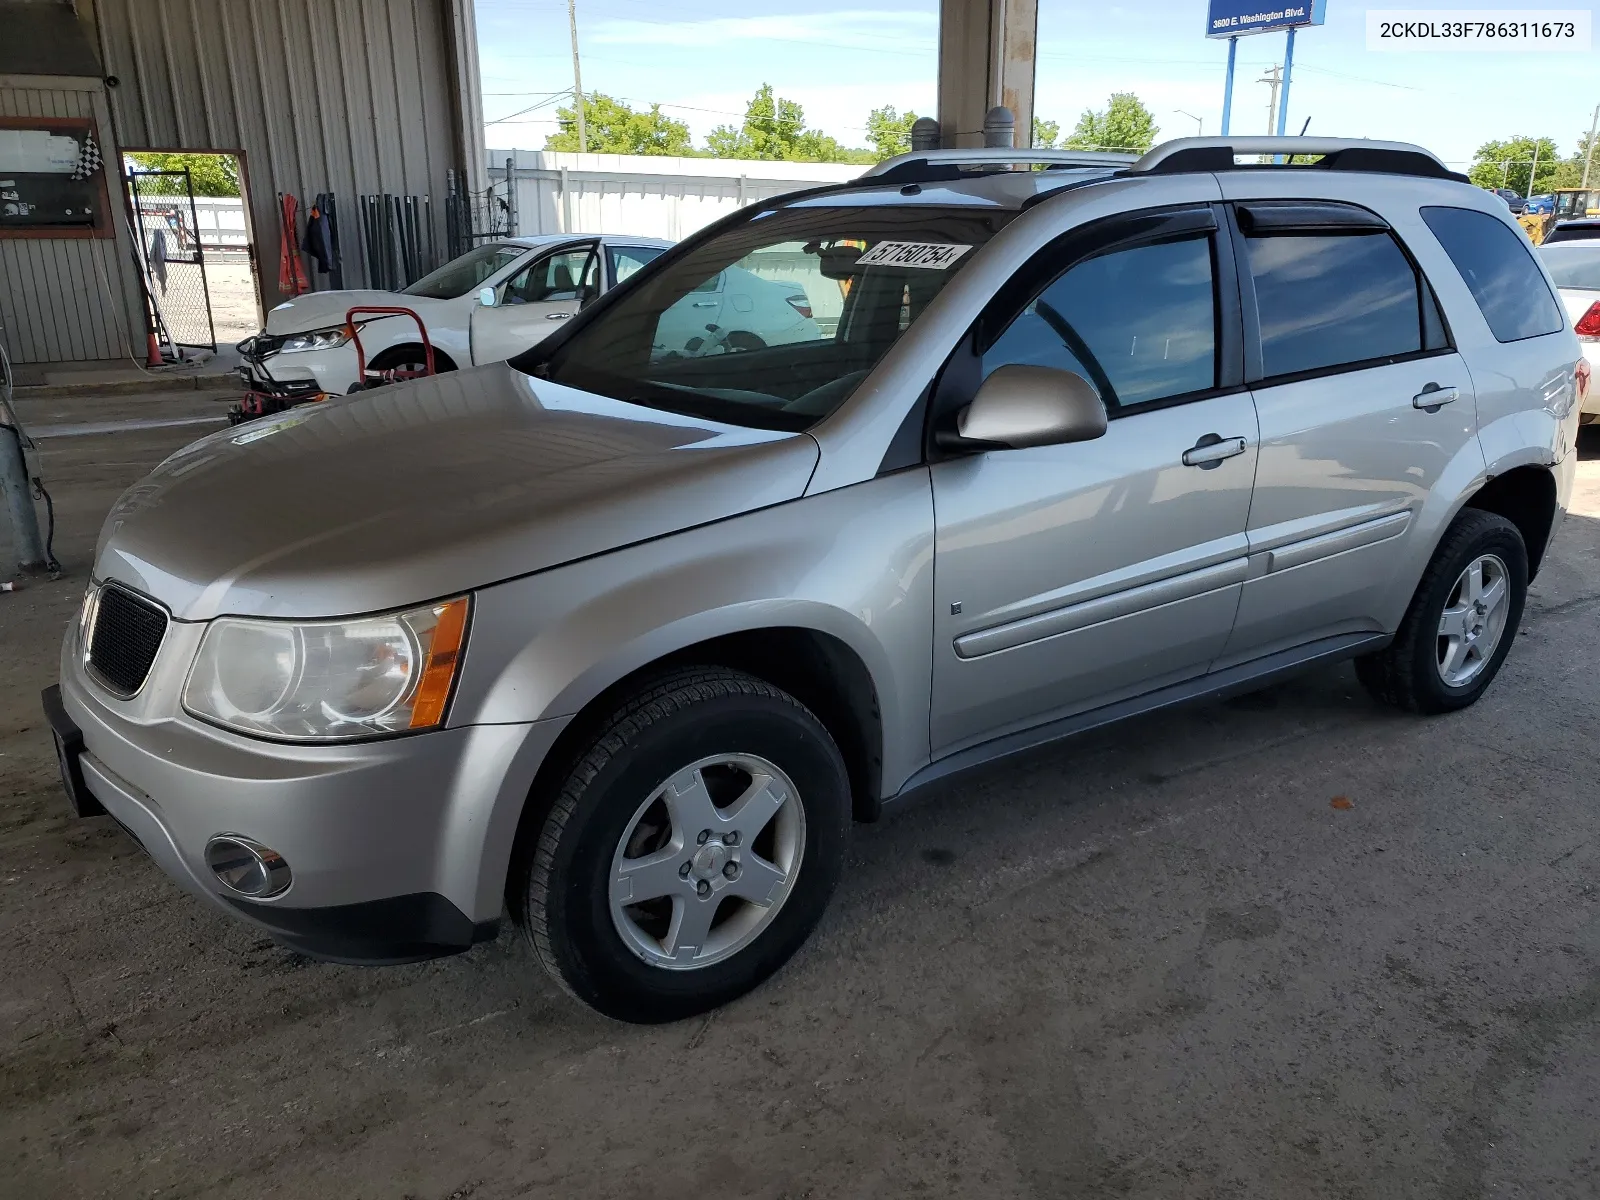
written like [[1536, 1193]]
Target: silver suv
[[622, 638]]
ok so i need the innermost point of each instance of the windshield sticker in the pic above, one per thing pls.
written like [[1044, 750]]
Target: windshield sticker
[[934, 256]]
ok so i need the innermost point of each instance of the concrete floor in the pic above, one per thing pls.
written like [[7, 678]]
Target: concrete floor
[[1168, 960]]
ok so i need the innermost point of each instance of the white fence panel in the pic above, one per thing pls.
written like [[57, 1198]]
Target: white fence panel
[[221, 220], [643, 195]]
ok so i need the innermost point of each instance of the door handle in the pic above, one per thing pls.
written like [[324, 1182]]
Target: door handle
[[556, 316], [705, 304], [1210, 450], [1432, 396]]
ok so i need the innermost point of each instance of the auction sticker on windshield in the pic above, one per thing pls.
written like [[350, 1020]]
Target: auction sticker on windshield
[[934, 256]]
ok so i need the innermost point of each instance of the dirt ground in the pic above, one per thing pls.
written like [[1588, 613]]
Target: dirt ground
[[235, 309], [1160, 961]]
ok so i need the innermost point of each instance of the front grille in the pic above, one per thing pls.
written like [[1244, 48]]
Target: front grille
[[127, 633]]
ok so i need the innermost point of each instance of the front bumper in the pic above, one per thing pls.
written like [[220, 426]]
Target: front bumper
[[301, 375], [398, 848]]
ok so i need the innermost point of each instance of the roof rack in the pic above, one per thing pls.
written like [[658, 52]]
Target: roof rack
[[1183, 155], [929, 166]]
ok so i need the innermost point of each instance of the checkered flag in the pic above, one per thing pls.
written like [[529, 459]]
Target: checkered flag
[[88, 158]]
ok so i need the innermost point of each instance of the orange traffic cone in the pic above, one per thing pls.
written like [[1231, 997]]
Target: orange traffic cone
[[152, 353]]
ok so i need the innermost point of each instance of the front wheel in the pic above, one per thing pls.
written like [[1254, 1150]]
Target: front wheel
[[690, 850], [1461, 622]]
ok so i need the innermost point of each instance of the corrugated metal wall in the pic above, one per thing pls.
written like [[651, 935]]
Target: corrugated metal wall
[[347, 96], [66, 300]]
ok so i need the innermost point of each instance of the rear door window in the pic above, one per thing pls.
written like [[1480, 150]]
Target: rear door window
[[625, 260], [1497, 264], [1140, 323], [1328, 301]]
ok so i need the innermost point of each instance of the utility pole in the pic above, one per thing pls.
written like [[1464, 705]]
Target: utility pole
[[1273, 79], [577, 77], [1534, 172], [1588, 159]]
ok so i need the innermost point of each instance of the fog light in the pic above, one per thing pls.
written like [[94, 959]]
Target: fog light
[[246, 867]]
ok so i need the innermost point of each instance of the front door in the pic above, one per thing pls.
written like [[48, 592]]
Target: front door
[[1072, 576], [1363, 407], [532, 303]]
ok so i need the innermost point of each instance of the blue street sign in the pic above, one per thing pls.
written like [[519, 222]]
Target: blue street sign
[[1236, 18]]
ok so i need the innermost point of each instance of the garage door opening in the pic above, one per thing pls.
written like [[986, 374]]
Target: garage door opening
[[191, 219]]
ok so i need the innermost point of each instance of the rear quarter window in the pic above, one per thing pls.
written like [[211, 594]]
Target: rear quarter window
[[1497, 264]]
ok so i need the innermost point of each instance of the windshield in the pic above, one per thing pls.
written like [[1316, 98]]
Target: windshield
[[462, 275], [1573, 266], [775, 322]]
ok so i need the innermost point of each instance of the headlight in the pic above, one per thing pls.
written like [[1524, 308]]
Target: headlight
[[327, 680], [317, 339]]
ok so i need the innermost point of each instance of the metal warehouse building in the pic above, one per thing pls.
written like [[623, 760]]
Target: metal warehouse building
[[349, 97]]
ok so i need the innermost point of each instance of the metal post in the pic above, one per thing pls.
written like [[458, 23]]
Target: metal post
[[19, 500], [511, 195], [1588, 158], [1283, 96], [1227, 88], [1533, 172], [577, 78], [1288, 69]]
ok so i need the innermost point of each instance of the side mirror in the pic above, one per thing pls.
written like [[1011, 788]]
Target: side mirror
[[486, 297], [1020, 406]]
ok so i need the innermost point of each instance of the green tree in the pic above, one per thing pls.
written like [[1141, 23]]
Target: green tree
[[1045, 133], [211, 174], [1508, 164], [775, 129], [889, 131], [614, 127], [1124, 124]]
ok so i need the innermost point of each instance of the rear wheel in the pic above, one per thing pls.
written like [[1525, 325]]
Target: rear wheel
[[690, 849], [1461, 622]]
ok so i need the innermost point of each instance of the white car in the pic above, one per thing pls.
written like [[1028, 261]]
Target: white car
[[1575, 268], [534, 283], [499, 299]]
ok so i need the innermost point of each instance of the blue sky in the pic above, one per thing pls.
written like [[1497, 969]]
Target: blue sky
[[702, 59]]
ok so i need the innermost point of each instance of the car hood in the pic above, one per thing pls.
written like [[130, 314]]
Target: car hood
[[425, 489], [322, 310]]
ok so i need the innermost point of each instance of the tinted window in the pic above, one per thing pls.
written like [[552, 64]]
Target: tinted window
[[1573, 266], [1139, 323], [1333, 301], [1497, 263]]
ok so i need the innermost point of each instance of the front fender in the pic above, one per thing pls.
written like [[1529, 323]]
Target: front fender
[[855, 564]]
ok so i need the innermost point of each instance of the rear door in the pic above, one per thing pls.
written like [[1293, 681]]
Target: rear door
[[532, 303], [1364, 405], [1067, 577]]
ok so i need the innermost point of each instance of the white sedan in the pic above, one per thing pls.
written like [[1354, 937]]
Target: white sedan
[[496, 301], [533, 282], [1575, 267]]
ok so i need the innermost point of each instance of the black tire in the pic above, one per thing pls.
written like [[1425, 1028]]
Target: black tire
[[743, 339], [411, 356], [1406, 673], [560, 888]]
